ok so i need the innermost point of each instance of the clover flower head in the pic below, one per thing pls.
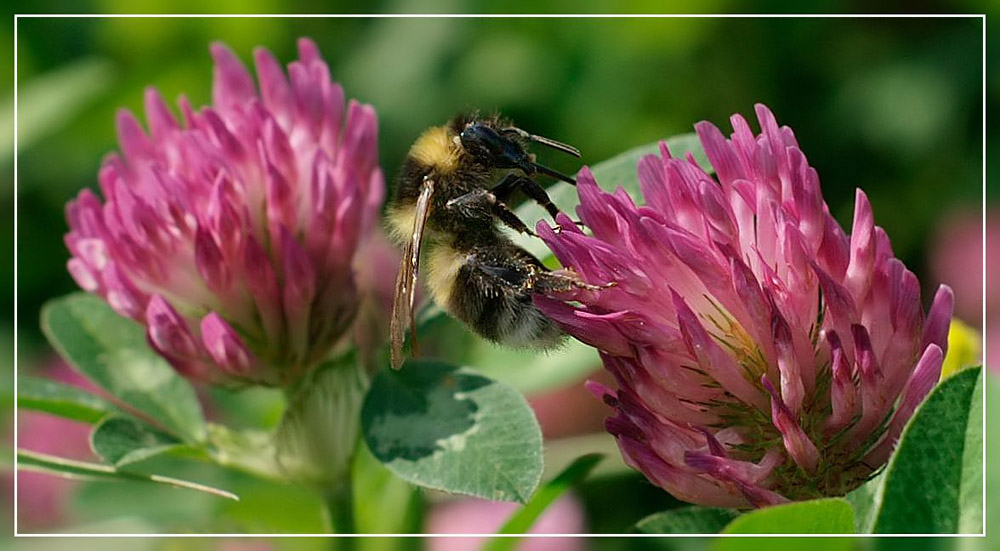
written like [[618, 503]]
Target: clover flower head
[[761, 354], [231, 233]]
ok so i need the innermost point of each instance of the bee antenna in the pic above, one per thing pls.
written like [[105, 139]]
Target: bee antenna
[[548, 142]]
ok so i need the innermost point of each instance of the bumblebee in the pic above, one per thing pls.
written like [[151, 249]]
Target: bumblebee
[[451, 197]]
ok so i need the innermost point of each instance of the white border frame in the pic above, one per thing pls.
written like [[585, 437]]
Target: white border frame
[[497, 16]]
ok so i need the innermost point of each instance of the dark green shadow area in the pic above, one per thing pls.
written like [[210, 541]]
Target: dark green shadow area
[[410, 411]]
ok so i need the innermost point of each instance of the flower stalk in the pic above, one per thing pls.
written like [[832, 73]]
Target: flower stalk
[[340, 505], [320, 429]]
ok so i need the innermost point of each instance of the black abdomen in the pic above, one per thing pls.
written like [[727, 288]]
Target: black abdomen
[[492, 293]]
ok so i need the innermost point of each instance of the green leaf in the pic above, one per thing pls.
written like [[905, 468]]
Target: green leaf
[[161, 507], [970, 497], [619, 170], [525, 518], [248, 451], [61, 399], [112, 352], [687, 520], [316, 438], [49, 101], [122, 440], [819, 516], [531, 372], [32, 461], [452, 429], [992, 434], [866, 500], [933, 482], [265, 506]]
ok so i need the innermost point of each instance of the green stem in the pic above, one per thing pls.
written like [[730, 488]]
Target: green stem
[[340, 503]]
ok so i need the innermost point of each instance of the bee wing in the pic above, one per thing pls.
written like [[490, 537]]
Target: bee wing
[[406, 281]]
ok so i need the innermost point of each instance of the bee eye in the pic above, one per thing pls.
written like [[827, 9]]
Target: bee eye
[[477, 137]]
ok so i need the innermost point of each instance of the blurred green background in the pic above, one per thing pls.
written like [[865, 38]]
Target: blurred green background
[[893, 106]]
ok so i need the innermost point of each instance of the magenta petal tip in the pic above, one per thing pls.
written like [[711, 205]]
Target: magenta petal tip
[[217, 211]]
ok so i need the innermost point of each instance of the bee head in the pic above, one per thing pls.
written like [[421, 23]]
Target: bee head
[[504, 148], [492, 148]]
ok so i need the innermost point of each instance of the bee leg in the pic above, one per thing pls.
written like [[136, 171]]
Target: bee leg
[[578, 223], [530, 188], [537, 193], [484, 200], [506, 186], [508, 217], [525, 273], [498, 298], [514, 269], [564, 280]]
